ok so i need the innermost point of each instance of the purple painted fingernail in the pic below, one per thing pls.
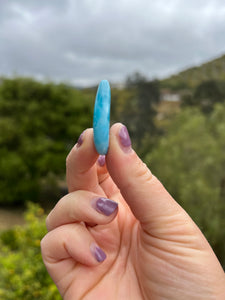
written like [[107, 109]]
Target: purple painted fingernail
[[98, 253], [101, 160], [80, 139], [104, 206], [125, 140]]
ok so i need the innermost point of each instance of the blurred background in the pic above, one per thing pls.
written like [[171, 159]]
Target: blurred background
[[165, 61]]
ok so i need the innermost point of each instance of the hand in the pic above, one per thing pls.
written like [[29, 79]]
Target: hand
[[154, 250]]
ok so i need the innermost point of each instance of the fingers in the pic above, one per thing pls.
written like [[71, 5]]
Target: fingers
[[101, 168], [148, 199], [72, 242], [105, 180], [81, 171], [82, 206], [86, 170]]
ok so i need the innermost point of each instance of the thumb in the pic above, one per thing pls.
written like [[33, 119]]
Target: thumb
[[147, 198]]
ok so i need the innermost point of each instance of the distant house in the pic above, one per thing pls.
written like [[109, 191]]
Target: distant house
[[167, 95]]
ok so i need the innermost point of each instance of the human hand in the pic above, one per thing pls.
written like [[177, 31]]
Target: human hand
[[154, 250]]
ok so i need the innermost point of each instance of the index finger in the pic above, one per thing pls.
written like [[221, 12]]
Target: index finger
[[81, 169]]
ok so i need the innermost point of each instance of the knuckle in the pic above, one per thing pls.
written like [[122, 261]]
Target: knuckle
[[43, 244], [47, 223], [142, 172]]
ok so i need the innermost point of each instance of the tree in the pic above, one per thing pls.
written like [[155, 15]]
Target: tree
[[190, 162], [39, 123], [140, 108], [206, 95]]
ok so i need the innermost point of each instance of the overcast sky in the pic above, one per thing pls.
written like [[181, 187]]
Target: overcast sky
[[84, 41]]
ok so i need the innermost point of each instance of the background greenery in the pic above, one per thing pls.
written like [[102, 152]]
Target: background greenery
[[22, 273], [39, 123], [192, 77], [183, 143]]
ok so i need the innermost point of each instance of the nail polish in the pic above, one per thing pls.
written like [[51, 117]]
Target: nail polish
[[125, 141], [98, 253], [80, 139], [105, 206], [101, 160]]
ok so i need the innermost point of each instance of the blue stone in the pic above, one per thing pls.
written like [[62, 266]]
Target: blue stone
[[101, 119]]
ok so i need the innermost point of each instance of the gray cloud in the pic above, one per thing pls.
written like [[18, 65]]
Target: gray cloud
[[85, 41]]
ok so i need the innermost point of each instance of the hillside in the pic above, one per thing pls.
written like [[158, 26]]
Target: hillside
[[190, 78]]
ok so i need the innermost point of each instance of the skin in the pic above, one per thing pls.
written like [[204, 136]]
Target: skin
[[154, 249]]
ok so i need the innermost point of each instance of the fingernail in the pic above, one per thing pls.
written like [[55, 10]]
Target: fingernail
[[101, 160], [98, 253], [80, 139], [105, 206], [125, 141]]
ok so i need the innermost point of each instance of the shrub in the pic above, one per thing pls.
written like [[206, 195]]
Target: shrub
[[190, 162], [22, 271]]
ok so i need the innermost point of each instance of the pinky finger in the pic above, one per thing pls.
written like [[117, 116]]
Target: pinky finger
[[67, 245]]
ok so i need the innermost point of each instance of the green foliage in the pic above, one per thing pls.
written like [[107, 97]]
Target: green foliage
[[22, 272], [190, 162], [139, 108], [39, 123], [192, 77], [206, 95]]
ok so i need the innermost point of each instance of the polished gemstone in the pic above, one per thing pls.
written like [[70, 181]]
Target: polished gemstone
[[101, 118]]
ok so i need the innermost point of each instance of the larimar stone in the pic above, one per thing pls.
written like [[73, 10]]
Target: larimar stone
[[101, 119]]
